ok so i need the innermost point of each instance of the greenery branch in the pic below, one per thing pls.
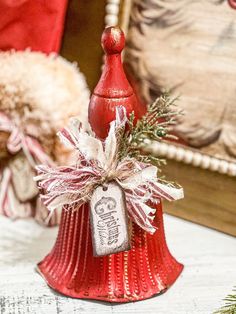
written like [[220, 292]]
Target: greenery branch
[[230, 304], [153, 126]]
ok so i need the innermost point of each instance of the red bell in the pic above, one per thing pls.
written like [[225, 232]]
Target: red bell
[[145, 270]]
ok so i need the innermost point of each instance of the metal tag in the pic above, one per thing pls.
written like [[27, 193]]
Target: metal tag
[[22, 178], [108, 220]]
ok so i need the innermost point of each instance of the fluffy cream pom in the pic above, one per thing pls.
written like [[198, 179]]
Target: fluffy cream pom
[[39, 93], [42, 92]]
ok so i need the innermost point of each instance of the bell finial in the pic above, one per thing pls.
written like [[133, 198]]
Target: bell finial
[[113, 88], [113, 40]]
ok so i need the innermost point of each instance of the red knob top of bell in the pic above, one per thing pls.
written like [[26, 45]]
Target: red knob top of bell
[[113, 88], [113, 40]]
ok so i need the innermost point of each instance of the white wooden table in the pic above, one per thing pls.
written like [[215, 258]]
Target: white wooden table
[[209, 274]]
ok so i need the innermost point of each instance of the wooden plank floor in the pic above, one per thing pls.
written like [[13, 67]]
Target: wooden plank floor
[[209, 274]]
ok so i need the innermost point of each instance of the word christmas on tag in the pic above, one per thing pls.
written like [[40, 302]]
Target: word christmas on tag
[[108, 219]]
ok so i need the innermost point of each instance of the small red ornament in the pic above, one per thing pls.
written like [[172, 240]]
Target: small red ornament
[[147, 268]]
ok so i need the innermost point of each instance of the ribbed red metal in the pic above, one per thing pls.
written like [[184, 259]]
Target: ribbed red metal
[[145, 270]]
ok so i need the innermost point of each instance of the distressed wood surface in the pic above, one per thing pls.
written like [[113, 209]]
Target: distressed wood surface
[[210, 197], [209, 274]]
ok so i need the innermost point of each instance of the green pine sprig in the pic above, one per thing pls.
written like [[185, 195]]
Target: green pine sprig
[[230, 304], [153, 126]]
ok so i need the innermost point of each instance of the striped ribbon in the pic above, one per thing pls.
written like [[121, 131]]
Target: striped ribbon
[[97, 163], [10, 206]]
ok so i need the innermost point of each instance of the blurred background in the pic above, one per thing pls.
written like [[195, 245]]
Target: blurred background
[[185, 47], [84, 24]]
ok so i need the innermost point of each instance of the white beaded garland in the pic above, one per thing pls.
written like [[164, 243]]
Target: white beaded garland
[[111, 20], [188, 156], [112, 9], [163, 149], [197, 159], [171, 152], [180, 154], [232, 169], [214, 164], [205, 163], [112, 12], [117, 2], [223, 167]]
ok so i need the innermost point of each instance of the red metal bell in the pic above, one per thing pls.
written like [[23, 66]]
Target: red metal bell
[[145, 270]]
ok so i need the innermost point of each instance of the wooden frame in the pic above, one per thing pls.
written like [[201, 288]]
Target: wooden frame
[[209, 181]]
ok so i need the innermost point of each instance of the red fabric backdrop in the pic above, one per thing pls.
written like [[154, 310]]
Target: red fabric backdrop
[[37, 24]]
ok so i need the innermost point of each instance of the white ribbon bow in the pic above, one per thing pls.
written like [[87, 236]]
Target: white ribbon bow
[[97, 163]]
